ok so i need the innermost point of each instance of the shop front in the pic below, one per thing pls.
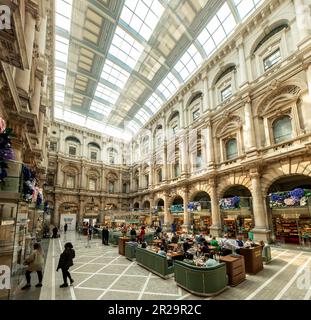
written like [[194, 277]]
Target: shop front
[[289, 210], [236, 210]]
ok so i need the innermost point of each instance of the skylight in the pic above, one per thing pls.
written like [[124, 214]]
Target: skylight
[[100, 108], [133, 126], [106, 93], [142, 116], [154, 103], [217, 30], [125, 48], [169, 86], [60, 76], [114, 74], [63, 14], [61, 49], [189, 62], [142, 15], [246, 7]]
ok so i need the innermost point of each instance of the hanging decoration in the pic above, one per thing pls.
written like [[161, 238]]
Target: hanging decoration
[[6, 151], [194, 206], [230, 203], [295, 198], [29, 184]]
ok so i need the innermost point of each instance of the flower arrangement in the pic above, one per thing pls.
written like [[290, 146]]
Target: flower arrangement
[[230, 203], [6, 151], [29, 183], [297, 197]]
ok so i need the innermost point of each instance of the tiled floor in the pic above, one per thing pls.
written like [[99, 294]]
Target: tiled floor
[[100, 273]]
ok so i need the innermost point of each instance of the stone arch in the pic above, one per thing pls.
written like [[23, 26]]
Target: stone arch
[[174, 197], [276, 27], [228, 123], [199, 187], [194, 97], [286, 92], [288, 167], [233, 180], [228, 68], [146, 204], [73, 139]]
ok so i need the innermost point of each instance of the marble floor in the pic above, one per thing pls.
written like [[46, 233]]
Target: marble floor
[[100, 273]]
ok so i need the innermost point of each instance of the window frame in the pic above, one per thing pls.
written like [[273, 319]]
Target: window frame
[[265, 58]]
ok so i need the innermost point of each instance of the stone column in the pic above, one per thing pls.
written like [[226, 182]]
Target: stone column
[[167, 214], [83, 176], [242, 64], [22, 77], [56, 215], [150, 175], [302, 19], [249, 130], [61, 141], [308, 73], [41, 124], [103, 180], [81, 211], [216, 229], [261, 230], [209, 144], [186, 225], [184, 154], [205, 92], [59, 180], [84, 150]]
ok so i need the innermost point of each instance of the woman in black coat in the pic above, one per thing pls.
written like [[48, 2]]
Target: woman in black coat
[[105, 236], [65, 262]]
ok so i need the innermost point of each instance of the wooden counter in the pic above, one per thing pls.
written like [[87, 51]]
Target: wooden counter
[[122, 241], [235, 268], [253, 259]]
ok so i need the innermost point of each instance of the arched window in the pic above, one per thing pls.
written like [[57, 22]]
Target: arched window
[[111, 186], [231, 149], [112, 155], [282, 129]]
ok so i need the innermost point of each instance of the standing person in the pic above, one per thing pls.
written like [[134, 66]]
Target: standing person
[[90, 232], [65, 227], [65, 262], [35, 263], [141, 236], [55, 231], [133, 233], [105, 236]]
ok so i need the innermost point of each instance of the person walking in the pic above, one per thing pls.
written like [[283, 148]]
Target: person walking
[[105, 236], [65, 227], [35, 262], [65, 262]]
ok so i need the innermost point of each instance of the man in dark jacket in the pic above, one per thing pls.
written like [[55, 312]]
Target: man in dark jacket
[[65, 262], [105, 236]]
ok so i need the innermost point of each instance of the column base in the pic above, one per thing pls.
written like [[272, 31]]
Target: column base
[[216, 231], [261, 234]]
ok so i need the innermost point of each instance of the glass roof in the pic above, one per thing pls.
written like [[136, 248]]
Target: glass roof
[[118, 62]]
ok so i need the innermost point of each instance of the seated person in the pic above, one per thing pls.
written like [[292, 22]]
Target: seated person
[[164, 245], [209, 238], [162, 252], [200, 239], [240, 244], [210, 262], [186, 245], [204, 248], [144, 245], [174, 238], [249, 243], [214, 242]]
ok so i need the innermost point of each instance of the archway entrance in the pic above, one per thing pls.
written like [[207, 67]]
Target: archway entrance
[[289, 208], [236, 209], [136, 206], [68, 214], [157, 218], [200, 212], [177, 211]]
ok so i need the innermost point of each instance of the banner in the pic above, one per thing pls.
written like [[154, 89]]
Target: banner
[[70, 219]]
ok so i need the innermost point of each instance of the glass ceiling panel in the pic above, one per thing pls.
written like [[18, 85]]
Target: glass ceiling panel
[[61, 49], [101, 108], [63, 14], [189, 62], [217, 30], [246, 7], [142, 15], [142, 116], [114, 74], [154, 103], [169, 86], [106, 93], [125, 48]]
